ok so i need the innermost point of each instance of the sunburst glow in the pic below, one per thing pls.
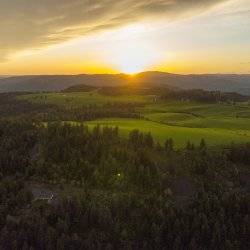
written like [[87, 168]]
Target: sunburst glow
[[133, 59], [144, 36], [131, 52]]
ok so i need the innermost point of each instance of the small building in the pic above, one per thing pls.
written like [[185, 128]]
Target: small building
[[43, 194]]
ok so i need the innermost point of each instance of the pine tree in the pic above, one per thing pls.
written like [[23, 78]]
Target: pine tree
[[203, 145], [177, 243], [148, 140], [169, 145]]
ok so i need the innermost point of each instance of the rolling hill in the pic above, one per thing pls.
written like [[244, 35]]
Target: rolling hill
[[225, 83]]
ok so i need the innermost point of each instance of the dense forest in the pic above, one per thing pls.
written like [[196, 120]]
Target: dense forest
[[112, 192]]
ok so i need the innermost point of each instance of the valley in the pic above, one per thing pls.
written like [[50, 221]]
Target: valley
[[182, 121]]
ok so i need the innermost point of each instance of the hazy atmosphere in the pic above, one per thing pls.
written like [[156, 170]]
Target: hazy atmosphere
[[124, 124], [71, 37]]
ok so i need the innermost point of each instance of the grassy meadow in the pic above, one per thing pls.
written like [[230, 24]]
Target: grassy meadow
[[213, 136], [182, 121]]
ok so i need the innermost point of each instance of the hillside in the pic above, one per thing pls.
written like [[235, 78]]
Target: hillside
[[87, 163], [227, 83], [4, 76], [58, 82], [183, 115]]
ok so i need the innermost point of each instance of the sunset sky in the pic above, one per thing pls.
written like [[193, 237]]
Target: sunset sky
[[129, 36]]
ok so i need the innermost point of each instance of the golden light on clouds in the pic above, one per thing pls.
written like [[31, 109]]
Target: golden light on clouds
[[126, 36]]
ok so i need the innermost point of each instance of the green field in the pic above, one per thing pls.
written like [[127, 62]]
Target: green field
[[213, 136], [182, 121], [196, 115]]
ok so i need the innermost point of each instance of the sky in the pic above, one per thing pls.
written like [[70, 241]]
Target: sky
[[127, 36]]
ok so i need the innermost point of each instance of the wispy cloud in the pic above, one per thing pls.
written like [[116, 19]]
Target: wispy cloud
[[26, 24], [245, 63]]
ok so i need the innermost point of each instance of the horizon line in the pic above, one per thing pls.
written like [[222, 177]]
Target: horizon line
[[126, 74]]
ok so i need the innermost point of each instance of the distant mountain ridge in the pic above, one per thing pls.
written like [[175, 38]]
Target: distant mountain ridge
[[4, 76], [222, 82]]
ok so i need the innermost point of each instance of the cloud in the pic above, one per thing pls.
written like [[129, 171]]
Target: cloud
[[245, 63], [28, 24]]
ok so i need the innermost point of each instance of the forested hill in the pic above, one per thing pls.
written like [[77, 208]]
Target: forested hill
[[225, 83]]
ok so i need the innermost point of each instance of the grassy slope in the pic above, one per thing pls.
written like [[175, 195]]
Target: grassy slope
[[216, 123], [180, 134], [196, 115]]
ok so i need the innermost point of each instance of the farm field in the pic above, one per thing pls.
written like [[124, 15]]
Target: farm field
[[182, 121]]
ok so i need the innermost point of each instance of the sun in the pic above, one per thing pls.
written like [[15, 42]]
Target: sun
[[131, 70], [130, 52], [133, 58]]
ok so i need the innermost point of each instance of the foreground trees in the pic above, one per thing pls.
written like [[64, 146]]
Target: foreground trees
[[115, 193]]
